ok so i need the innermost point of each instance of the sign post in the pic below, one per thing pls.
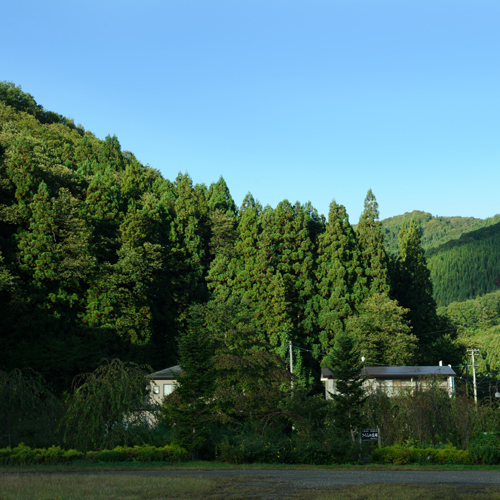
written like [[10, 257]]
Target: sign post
[[371, 435]]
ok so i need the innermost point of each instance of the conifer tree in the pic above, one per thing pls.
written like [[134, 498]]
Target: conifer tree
[[133, 181], [219, 197], [191, 411], [102, 208], [24, 172], [110, 153], [412, 284], [37, 245], [84, 151], [234, 270], [371, 242], [122, 297], [189, 245], [344, 361], [341, 281], [286, 248]]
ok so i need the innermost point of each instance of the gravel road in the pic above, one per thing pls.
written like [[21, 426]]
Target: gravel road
[[331, 479]]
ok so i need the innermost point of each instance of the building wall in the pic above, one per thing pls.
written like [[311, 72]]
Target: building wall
[[161, 388], [392, 387]]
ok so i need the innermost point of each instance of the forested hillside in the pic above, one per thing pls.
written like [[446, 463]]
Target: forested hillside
[[436, 231], [103, 257], [467, 267], [478, 324], [463, 253]]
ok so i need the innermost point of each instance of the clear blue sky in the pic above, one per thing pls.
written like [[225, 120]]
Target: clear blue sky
[[297, 99]]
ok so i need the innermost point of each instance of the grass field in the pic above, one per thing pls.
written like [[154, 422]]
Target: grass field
[[101, 487]]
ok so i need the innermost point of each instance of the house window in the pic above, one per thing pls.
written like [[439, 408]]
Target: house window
[[388, 387], [168, 389], [156, 389]]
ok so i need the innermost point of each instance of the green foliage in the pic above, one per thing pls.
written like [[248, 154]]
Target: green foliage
[[24, 455], [426, 415], [435, 230], [28, 410], [190, 410], [468, 267], [12, 95], [285, 450], [344, 361], [382, 333], [485, 449], [371, 243], [250, 381], [341, 280], [401, 455], [111, 456], [105, 405]]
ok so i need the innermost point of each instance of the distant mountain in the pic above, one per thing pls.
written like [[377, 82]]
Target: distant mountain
[[435, 230], [463, 253]]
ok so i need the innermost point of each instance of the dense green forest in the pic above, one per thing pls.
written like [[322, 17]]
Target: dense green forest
[[436, 231], [102, 257], [463, 253]]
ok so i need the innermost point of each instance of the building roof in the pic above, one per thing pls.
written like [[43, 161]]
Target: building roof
[[397, 371], [171, 373]]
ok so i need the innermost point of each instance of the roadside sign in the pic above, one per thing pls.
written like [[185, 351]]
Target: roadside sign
[[369, 435]]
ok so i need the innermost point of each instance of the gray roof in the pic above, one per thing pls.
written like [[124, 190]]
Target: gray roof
[[398, 371], [171, 373]]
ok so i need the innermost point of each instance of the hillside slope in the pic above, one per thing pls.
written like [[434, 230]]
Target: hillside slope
[[467, 267], [436, 231]]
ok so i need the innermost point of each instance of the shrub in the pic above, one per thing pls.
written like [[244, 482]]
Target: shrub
[[402, 455], [23, 454], [284, 450], [484, 449], [111, 456], [51, 455]]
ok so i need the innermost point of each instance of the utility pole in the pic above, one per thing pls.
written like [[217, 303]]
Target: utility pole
[[472, 352], [291, 363]]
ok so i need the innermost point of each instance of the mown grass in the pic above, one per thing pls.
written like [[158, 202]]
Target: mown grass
[[135, 487], [411, 492], [97, 487]]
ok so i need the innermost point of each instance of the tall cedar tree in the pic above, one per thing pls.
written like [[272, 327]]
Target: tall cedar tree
[[189, 243], [25, 174], [286, 247], [196, 384], [371, 242], [234, 270], [344, 361], [340, 276], [223, 221], [413, 285], [110, 153], [37, 245]]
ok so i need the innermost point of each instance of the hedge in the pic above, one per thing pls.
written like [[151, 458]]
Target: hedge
[[400, 455], [22, 455]]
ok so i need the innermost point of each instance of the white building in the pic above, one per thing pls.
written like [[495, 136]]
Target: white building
[[391, 379]]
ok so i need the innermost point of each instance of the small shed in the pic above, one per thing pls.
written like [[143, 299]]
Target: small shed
[[392, 379]]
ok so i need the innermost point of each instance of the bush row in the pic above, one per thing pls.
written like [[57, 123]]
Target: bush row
[[22, 455], [400, 455], [285, 451]]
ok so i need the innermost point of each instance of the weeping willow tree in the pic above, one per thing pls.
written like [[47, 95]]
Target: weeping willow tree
[[107, 406], [29, 412]]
